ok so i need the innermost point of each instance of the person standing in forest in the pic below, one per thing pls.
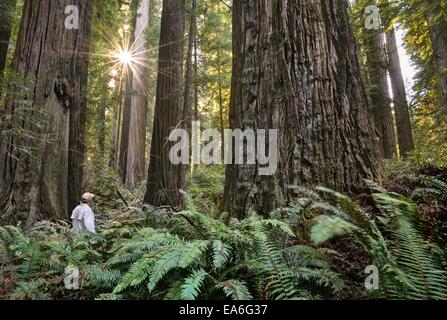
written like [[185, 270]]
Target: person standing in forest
[[83, 217]]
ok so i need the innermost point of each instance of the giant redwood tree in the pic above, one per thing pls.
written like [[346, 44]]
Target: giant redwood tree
[[165, 179], [133, 133], [295, 69], [136, 148], [42, 142]]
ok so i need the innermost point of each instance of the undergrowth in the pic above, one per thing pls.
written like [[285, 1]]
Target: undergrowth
[[296, 253]]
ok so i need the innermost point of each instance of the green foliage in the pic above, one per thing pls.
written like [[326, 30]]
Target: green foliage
[[150, 253], [408, 268]]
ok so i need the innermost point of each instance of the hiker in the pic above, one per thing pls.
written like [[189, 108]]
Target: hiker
[[83, 217]]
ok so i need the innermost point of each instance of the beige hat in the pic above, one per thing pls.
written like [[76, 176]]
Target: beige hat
[[88, 197]]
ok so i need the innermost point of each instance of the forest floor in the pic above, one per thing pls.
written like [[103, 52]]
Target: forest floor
[[210, 256]]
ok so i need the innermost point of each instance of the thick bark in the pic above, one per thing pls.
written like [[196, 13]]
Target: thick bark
[[295, 69], [6, 13], [437, 22], [136, 160], [164, 178], [403, 123], [42, 153]]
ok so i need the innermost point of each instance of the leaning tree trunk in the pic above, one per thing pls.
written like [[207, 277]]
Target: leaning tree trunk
[[165, 179], [437, 23], [42, 149], [403, 123], [295, 69], [6, 14], [136, 146]]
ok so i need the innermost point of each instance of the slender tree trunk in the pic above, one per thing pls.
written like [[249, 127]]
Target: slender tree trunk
[[295, 69], [165, 179], [115, 129], [376, 65], [42, 152], [125, 127], [196, 73], [187, 98], [437, 22], [102, 127], [136, 160], [221, 112], [7, 8], [403, 123]]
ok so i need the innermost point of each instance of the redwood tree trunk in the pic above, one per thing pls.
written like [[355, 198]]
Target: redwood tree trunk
[[295, 69], [136, 148], [187, 98], [164, 178], [6, 13], [376, 65], [437, 22], [125, 127], [403, 123], [42, 152]]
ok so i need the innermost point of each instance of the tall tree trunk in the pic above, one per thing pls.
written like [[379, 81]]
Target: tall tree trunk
[[187, 98], [295, 69], [7, 8], [403, 123], [437, 23], [125, 128], [196, 89], [164, 178], [102, 127], [136, 160], [376, 64], [114, 143], [42, 153], [221, 112]]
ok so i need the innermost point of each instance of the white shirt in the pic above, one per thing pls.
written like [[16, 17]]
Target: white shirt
[[83, 219]]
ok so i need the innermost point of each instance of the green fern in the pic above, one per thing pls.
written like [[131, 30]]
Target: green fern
[[235, 289], [190, 290], [408, 269]]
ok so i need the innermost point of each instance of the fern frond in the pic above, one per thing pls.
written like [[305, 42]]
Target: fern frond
[[191, 287], [235, 289]]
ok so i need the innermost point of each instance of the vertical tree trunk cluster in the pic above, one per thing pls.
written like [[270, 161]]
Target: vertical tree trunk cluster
[[377, 67], [42, 145], [295, 69], [165, 179], [403, 123]]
